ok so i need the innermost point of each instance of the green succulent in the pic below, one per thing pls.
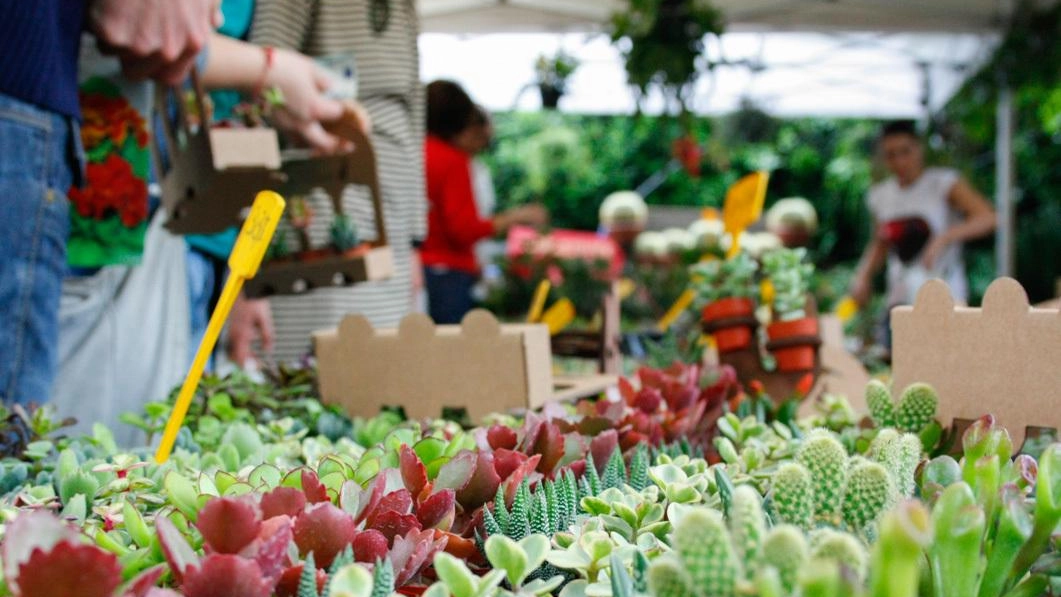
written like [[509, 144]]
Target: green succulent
[[870, 491], [826, 459], [747, 525], [793, 495], [785, 549], [843, 548]]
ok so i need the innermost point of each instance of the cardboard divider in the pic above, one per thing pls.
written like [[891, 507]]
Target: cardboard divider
[[602, 345], [480, 365], [1003, 359]]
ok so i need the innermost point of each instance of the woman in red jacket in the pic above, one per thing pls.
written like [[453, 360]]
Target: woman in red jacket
[[454, 224]]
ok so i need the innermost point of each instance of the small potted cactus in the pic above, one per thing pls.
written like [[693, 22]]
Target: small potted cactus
[[793, 335], [725, 294]]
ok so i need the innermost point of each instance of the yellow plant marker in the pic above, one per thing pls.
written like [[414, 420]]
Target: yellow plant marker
[[676, 310], [766, 292], [846, 309], [744, 206], [559, 316], [251, 244], [538, 303], [626, 288]]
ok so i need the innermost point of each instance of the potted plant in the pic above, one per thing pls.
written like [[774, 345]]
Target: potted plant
[[552, 77], [793, 335], [725, 291]]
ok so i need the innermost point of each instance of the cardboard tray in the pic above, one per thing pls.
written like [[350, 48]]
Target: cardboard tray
[[299, 277], [480, 365], [1003, 359]]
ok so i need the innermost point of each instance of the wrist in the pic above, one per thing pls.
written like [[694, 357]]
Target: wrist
[[267, 77]]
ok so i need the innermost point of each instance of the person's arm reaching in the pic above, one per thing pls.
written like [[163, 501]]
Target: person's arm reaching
[[461, 224], [235, 64], [872, 261], [979, 221], [156, 39]]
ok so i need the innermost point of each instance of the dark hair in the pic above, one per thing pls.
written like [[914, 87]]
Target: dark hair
[[449, 109], [479, 117], [899, 127]]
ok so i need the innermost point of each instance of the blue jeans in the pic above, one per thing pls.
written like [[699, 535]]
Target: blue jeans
[[449, 294], [39, 158]]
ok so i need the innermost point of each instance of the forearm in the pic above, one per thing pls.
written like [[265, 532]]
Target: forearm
[[973, 228], [872, 259], [233, 64]]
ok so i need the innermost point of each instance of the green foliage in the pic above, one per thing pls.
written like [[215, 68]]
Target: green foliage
[[724, 278], [870, 491], [915, 410], [785, 549], [793, 495], [343, 233], [705, 553], [747, 525], [790, 276]]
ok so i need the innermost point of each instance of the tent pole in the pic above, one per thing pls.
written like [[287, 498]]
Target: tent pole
[[1004, 247]]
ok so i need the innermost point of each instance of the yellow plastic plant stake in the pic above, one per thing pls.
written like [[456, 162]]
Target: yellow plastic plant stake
[[676, 310], [251, 244], [559, 316], [538, 303], [744, 206]]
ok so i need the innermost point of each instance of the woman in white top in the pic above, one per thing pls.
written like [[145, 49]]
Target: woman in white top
[[921, 218]]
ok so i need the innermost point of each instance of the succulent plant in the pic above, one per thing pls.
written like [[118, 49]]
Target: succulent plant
[[719, 279], [900, 453], [792, 495], [785, 549], [870, 491], [843, 548], [747, 525], [790, 277], [704, 561], [915, 410], [826, 459]]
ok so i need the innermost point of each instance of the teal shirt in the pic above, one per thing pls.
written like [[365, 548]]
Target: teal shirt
[[238, 15]]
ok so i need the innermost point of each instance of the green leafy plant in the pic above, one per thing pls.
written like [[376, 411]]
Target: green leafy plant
[[730, 278], [790, 275]]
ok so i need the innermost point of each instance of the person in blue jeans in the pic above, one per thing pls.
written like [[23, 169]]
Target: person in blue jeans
[[40, 154]]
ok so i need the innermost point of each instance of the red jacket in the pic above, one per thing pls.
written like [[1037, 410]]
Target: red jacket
[[453, 221]]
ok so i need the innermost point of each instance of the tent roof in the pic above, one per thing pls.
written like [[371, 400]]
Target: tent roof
[[494, 16]]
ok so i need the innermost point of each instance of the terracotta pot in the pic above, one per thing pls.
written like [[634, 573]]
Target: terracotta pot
[[799, 343], [730, 336]]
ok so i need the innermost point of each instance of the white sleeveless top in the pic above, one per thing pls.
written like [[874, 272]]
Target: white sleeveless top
[[925, 198]]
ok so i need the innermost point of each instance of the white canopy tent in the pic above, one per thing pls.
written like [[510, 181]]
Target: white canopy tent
[[880, 58]]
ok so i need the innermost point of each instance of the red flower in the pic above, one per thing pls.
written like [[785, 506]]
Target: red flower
[[112, 187]]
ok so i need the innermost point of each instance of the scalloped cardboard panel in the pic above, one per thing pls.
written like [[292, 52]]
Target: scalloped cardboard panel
[[480, 365], [1002, 359]]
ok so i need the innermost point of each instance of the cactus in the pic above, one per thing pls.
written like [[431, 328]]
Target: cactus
[[747, 525], [879, 401], [843, 548], [705, 550], [917, 407], [870, 491], [383, 578], [614, 471], [793, 495], [900, 454], [667, 577], [307, 581], [639, 464], [825, 458], [343, 233], [785, 549]]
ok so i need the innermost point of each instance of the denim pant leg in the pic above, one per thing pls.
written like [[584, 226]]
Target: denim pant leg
[[449, 294], [38, 162]]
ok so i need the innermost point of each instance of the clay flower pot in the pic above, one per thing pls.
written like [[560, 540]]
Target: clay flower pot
[[794, 344], [730, 321]]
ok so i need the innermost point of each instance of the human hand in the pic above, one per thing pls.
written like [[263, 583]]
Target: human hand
[[305, 106], [533, 214], [250, 320], [930, 254], [156, 39]]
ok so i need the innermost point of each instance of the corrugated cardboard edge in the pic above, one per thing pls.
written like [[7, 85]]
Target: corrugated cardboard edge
[[1002, 359]]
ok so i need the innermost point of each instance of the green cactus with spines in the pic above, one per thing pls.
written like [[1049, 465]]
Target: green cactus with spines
[[500, 511], [785, 549], [747, 525], [345, 558], [552, 504], [704, 546], [826, 459], [592, 478], [880, 404], [870, 491], [539, 514], [792, 495], [900, 454], [917, 407], [667, 577], [844, 548]]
